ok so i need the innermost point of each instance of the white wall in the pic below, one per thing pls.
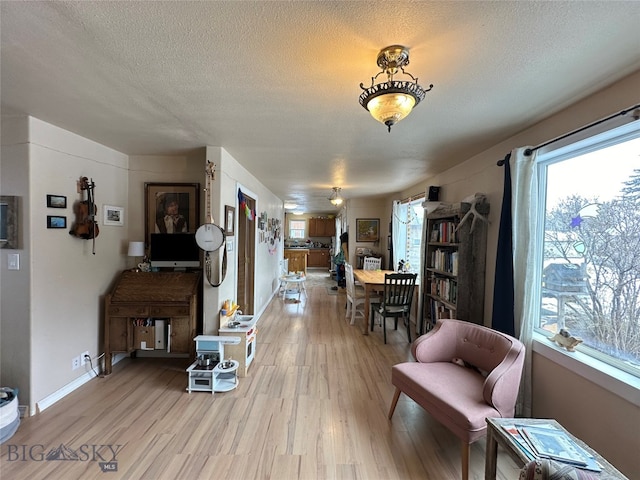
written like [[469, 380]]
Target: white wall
[[15, 286], [61, 297], [230, 176]]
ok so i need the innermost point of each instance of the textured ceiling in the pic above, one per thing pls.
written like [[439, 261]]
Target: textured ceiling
[[277, 83]]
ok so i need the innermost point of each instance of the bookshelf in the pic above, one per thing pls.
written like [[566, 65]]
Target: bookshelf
[[454, 264]]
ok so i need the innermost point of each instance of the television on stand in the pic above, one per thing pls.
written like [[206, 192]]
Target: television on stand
[[174, 250]]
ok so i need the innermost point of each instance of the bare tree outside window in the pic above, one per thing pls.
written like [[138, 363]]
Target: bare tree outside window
[[591, 264]]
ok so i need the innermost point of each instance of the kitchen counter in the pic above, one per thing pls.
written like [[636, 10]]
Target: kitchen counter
[[247, 323], [297, 259], [245, 351]]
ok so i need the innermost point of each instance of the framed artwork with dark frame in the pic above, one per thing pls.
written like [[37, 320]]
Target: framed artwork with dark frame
[[171, 208], [229, 220], [56, 201], [367, 229], [56, 221], [9, 221]]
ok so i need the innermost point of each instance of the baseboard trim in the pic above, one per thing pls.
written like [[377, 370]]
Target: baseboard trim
[[49, 400]]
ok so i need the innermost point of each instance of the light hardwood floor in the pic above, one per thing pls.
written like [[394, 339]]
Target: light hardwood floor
[[314, 406]]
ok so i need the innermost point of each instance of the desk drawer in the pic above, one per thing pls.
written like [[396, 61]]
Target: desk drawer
[[165, 311], [128, 310]]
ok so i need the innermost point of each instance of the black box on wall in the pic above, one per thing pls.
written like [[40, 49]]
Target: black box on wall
[[434, 194]]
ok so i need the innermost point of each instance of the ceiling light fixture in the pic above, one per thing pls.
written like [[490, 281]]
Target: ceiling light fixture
[[290, 206], [335, 198], [391, 101]]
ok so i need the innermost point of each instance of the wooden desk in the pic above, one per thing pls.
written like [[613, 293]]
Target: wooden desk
[[497, 435], [142, 295], [372, 280]]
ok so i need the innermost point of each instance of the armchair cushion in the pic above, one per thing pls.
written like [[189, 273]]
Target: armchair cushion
[[458, 397], [453, 395]]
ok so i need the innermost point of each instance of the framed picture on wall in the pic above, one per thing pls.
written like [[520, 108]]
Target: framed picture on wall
[[56, 201], [229, 220], [56, 221], [8, 221], [113, 215], [367, 229], [171, 208]]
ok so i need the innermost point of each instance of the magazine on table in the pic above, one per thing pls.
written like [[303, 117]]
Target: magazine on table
[[553, 443], [513, 431]]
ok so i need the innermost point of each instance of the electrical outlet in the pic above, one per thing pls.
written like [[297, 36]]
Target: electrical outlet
[[83, 357], [75, 363]]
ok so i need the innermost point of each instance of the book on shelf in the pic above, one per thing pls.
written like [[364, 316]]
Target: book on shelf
[[546, 441], [444, 232], [439, 311]]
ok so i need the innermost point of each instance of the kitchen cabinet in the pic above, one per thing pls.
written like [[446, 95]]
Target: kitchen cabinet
[[322, 227], [297, 259], [158, 299], [319, 258]]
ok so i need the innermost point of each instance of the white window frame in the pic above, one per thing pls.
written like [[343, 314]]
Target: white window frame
[[303, 229], [417, 200], [585, 361]]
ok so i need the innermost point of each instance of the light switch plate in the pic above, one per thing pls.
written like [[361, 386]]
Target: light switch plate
[[13, 261]]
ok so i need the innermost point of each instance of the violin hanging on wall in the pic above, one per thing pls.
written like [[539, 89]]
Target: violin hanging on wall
[[85, 225]]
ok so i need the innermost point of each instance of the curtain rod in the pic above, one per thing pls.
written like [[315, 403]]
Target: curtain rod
[[636, 115]]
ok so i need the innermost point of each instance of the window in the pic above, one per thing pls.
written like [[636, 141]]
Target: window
[[408, 219], [296, 228], [591, 247]]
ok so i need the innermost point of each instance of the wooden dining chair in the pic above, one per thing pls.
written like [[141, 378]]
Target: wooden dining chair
[[396, 301], [355, 296], [372, 263]]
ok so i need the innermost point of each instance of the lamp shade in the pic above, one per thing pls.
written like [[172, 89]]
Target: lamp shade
[[390, 108], [136, 249]]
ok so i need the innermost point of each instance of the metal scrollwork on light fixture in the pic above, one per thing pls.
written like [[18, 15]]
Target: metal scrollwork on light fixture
[[391, 101], [335, 198]]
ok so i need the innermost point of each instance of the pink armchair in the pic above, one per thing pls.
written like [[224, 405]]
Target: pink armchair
[[463, 374]]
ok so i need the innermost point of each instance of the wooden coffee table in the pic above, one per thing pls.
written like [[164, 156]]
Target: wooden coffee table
[[496, 434]]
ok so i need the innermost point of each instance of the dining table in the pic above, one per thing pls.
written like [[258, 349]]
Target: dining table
[[372, 281]]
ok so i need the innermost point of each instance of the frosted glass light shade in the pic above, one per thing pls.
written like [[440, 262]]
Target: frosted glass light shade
[[391, 101], [136, 249], [390, 108]]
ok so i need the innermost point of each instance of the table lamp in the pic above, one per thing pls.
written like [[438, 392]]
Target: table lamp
[[136, 249]]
